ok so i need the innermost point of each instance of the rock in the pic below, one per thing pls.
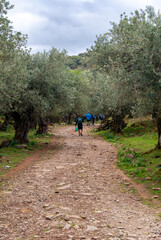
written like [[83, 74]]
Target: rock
[[87, 194], [61, 184], [45, 205], [155, 197], [67, 226], [59, 167], [70, 236], [22, 146], [7, 166], [132, 236], [66, 218], [148, 178], [50, 217], [83, 217], [91, 229], [110, 234], [65, 187]]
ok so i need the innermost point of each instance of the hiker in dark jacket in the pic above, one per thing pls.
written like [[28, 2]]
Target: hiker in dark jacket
[[93, 118], [79, 122]]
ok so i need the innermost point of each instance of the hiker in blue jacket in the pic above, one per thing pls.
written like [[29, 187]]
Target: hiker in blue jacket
[[101, 117], [79, 122], [88, 117]]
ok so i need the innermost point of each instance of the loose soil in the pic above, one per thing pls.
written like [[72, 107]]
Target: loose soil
[[73, 190]]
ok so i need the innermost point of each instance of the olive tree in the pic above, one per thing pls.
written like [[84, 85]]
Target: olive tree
[[130, 55], [77, 97]]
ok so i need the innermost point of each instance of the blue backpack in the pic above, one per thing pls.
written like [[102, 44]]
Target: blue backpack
[[79, 120]]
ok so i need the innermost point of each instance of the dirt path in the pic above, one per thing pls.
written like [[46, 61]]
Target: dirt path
[[76, 193]]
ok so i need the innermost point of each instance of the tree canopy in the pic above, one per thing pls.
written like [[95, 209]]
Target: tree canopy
[[123, 78], [129, 56]]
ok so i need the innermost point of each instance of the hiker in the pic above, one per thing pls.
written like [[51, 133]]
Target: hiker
[[93, 118], [79, 122], [88, 117], [101, 118]]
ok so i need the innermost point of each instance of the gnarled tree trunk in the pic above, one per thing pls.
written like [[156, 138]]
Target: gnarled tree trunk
[[43, 127], [22, 127], [70, 119], [118, 123]]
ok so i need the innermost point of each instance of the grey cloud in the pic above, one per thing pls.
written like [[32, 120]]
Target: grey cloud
[[70, 24]]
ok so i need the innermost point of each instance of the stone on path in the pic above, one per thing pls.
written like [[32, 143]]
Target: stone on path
[[91, 228]]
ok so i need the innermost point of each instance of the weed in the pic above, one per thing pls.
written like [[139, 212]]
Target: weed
[[59, 226], [107, 226], [107, 135], [133, 190], [72, 224], [147, 201], [13, 143]]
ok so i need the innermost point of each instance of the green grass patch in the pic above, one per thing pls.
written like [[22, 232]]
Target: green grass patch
[[12, 155], [136, 140], [141, 143], [107, 135]]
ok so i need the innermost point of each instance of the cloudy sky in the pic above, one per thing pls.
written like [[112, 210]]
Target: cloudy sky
[[69, 24]]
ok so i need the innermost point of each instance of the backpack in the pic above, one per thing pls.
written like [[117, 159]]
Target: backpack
[[79, 120]]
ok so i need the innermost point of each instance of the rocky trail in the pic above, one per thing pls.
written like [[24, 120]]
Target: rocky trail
[[73, 191]]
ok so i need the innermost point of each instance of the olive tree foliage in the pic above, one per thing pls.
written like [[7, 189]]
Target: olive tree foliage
[[140, 36], [11, 44], [77, 99], [112, 81], [48, 77], [105, 97], [33, 87], [130, 55], [37, 92], [10, 41]]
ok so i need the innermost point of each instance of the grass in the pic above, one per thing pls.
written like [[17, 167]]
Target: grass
[[11, 156], [107, 135], [137, 155]]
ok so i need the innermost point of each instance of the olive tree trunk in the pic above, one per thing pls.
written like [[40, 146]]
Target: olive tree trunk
[[22, 127], [69, 119], [43, 127], [118, 123]]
